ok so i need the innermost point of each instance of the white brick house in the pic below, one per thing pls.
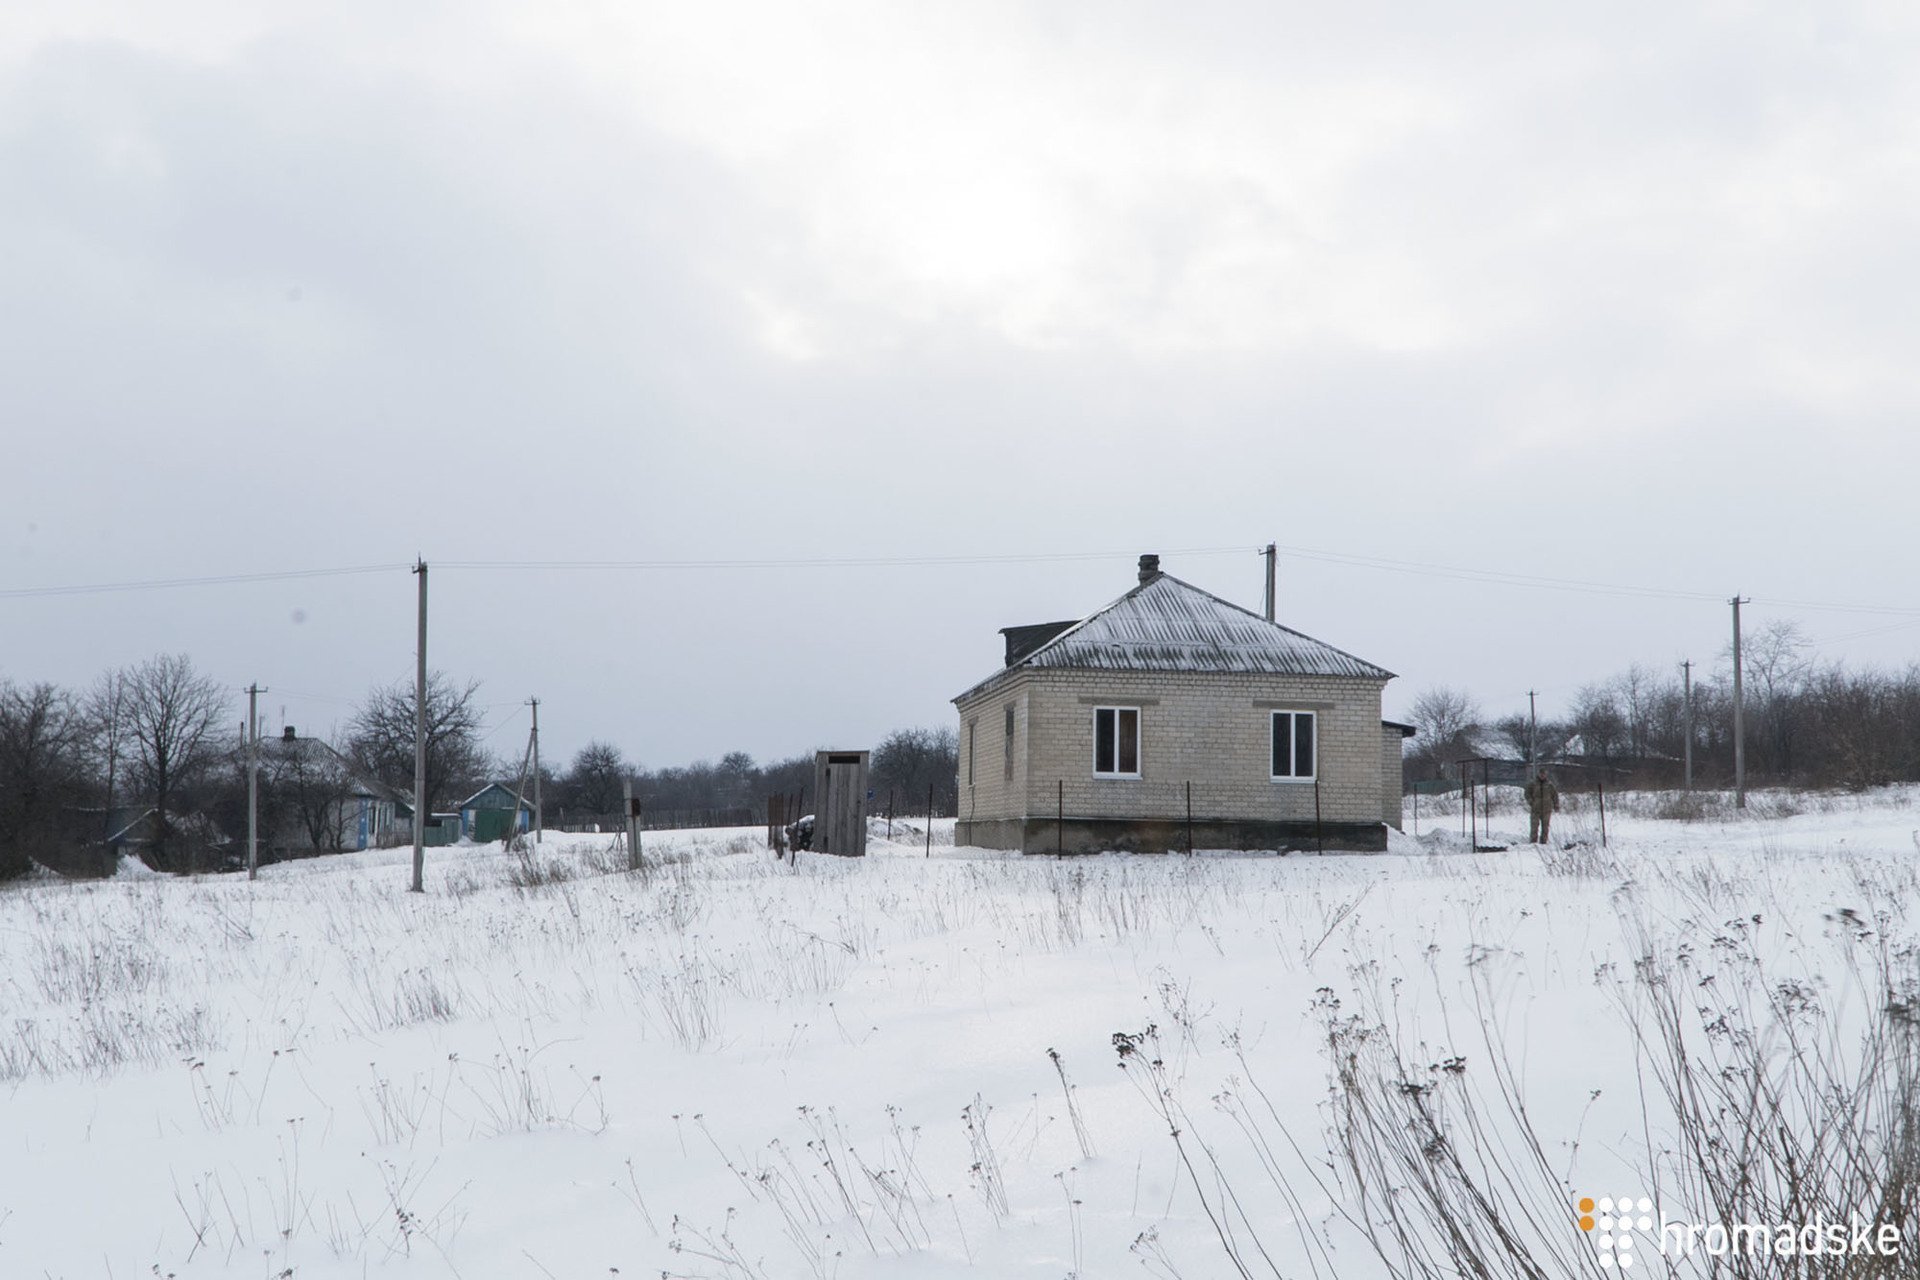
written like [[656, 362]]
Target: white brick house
[[1094, 733]]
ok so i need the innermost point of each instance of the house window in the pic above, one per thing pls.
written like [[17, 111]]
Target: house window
[[1293, 734], [973, 735], [1116, 742], [1007, 764]]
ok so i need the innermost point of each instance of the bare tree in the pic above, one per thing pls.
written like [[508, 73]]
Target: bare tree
[[171, 711], [1635, 690], [1520, 735], [1777, 667], [105, 710], [736, 777], [42, 739], [913, 762], [595, 782], [1447, 720], [314, 783], [1601, 724], [380, 737]]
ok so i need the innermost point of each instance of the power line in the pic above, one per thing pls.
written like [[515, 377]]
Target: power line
[[210, 580], [1507, 578], [1498, 576], [1418, 568], [1870, 631], [805, 562], [829, 562]]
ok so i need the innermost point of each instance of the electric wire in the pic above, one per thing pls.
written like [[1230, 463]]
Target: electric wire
[[1418, 568]]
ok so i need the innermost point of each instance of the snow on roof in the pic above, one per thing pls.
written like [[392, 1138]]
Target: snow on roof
[[1165, 624], [506, 790]]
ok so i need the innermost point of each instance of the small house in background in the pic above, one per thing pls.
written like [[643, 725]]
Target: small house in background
[[330, 805], [492, 812], [1092, 732]]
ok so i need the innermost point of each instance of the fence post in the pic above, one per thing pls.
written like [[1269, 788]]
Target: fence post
[[929, 852], [1603, 813], [1486, 796], [1060, 817], [1189, 818], [1464, 797], [1319, 834]]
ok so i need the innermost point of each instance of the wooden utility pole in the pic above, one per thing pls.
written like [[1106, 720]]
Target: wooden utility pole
[[419, 884], [519, 796], [253, 781], [1272, 553], [633, 828], [1533, 734], [1739, 715], [1686, 684], [538, 822]]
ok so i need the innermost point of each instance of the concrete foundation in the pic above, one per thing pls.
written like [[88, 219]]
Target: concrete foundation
[[1166, 835]]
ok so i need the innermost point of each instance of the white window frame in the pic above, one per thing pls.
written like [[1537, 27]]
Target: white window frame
[[1273, 721], [1139, 743]]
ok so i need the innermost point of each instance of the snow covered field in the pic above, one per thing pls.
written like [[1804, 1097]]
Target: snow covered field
[[899, 1066]]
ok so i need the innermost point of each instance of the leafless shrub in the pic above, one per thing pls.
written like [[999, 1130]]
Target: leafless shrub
[[1767, 1101], [533, 870], [1583, 861]]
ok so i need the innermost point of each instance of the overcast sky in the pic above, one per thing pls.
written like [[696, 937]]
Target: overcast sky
[[1623, 293]]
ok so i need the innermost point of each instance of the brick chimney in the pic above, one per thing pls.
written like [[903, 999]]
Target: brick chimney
[[1149, 568], [286, 734]]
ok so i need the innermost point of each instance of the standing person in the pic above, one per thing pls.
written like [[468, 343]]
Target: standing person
[[1543, 800]]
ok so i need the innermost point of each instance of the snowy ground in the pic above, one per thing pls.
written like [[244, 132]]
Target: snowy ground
[[743, 1069]]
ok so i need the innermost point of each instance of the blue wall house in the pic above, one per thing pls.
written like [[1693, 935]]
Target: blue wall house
[[327, 804], [491, 812]]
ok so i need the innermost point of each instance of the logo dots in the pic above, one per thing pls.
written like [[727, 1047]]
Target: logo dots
[[1610, 1223]]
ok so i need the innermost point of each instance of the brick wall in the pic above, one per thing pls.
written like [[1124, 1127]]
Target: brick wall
[[986, 792], [1391, 804], [1210, 730]]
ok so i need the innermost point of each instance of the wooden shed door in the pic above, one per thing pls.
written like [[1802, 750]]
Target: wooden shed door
[[846, 806]]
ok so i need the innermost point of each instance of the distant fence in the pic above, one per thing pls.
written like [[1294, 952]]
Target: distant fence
[[652, 819], [783, 809]]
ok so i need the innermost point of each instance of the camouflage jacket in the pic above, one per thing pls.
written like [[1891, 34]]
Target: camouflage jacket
[[1542, 796]]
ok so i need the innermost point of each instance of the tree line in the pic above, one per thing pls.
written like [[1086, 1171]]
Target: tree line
[[908, 765], [1808, 723], [155, 756]]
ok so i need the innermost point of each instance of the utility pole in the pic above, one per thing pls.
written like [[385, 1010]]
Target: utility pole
[[537, 822], [1739, 715], [253, 781], [519, 795], [1686, 684], [1533, 733], [634, 862], [1272, 553], [420, 743]]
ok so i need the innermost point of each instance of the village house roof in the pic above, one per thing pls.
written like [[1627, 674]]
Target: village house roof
[[497, 795], [316, 751], [1164, 624]]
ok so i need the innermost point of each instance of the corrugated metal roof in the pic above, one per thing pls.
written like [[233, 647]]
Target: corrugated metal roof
[[1165, 624]]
